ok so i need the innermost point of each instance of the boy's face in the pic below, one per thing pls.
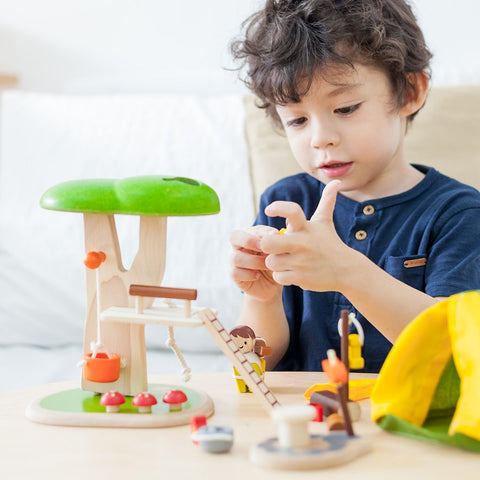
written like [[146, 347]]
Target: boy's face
[[349, 128]]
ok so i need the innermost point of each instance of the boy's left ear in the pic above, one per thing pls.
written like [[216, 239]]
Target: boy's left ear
[[417, 93]]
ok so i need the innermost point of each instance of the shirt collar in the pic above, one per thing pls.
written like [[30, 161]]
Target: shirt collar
[[430, 177]]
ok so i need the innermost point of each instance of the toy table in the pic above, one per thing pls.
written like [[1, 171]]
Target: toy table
[[29, 450]]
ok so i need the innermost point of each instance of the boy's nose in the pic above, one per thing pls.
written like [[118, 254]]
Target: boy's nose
[[323, 136]]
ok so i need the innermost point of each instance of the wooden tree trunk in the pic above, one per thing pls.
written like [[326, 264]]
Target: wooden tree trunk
[[126, 340]]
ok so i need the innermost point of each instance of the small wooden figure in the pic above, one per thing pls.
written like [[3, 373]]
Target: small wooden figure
[[225, 341], [254, 350]]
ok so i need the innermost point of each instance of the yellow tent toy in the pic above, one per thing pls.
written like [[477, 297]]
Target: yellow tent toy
[[429, 385]]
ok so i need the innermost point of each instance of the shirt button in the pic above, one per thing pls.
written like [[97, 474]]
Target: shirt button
[[368, 209], [361, 235]]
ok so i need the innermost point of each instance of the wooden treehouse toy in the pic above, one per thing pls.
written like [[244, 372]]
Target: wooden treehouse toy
[[153, 199], [120, 304]]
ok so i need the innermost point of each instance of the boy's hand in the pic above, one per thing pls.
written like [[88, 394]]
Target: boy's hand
[[310, 254], [248, 269]]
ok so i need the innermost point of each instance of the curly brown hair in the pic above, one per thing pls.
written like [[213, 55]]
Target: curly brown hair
[[289, 41]]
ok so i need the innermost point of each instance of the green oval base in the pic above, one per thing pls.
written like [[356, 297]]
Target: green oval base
[[76, 407]]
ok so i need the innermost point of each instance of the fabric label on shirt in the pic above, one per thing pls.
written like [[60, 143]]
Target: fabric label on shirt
[[417, 262]]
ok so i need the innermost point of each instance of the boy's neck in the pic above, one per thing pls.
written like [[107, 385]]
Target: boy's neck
[[394, 183]]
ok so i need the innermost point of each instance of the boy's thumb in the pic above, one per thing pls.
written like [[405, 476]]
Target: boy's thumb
[[326, 205]]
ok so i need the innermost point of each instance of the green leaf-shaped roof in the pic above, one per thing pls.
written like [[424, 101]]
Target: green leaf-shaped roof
[[152, 195]]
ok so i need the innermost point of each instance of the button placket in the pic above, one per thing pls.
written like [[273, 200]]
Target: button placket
[[364, 227]]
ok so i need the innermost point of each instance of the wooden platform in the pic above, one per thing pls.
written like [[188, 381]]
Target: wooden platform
[[156, 315]]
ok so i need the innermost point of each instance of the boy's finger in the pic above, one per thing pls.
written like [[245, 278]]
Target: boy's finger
[[240, 258], [241, 275], [291, 211], [250, 239], [242, 239], [326, 205]]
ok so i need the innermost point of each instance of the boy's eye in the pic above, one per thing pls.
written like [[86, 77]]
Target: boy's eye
[[296, 122], [347, 110]]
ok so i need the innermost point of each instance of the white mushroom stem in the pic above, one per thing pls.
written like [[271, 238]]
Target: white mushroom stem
[[292, 425]]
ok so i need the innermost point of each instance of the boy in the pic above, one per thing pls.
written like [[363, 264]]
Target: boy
[[365, 230]]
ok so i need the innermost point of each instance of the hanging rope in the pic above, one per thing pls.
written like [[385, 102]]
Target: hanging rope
[[186, 372], [93, 260]]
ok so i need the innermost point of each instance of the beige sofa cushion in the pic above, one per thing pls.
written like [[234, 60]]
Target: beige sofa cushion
[[445, 135]]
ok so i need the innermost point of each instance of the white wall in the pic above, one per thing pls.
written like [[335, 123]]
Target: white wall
[[452, 33], [54, 44], [62, 45]]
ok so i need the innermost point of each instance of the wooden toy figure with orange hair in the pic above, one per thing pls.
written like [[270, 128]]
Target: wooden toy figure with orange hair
[[254, 350]]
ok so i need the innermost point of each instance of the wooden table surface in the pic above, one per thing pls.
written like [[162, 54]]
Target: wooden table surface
[[31, 451]]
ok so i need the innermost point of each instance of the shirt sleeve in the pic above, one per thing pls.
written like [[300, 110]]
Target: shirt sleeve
[[453, 264]]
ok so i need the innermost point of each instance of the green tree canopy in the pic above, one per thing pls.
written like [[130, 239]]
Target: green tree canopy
[[152, 195]]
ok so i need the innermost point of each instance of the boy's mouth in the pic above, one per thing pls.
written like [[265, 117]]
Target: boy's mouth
[[336, 169]]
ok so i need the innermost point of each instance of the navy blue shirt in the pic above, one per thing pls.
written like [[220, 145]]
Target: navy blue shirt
[[437, 220]]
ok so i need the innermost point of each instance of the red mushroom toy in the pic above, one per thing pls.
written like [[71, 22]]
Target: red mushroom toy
[[112, 400], [144, 401], [175, 398]]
